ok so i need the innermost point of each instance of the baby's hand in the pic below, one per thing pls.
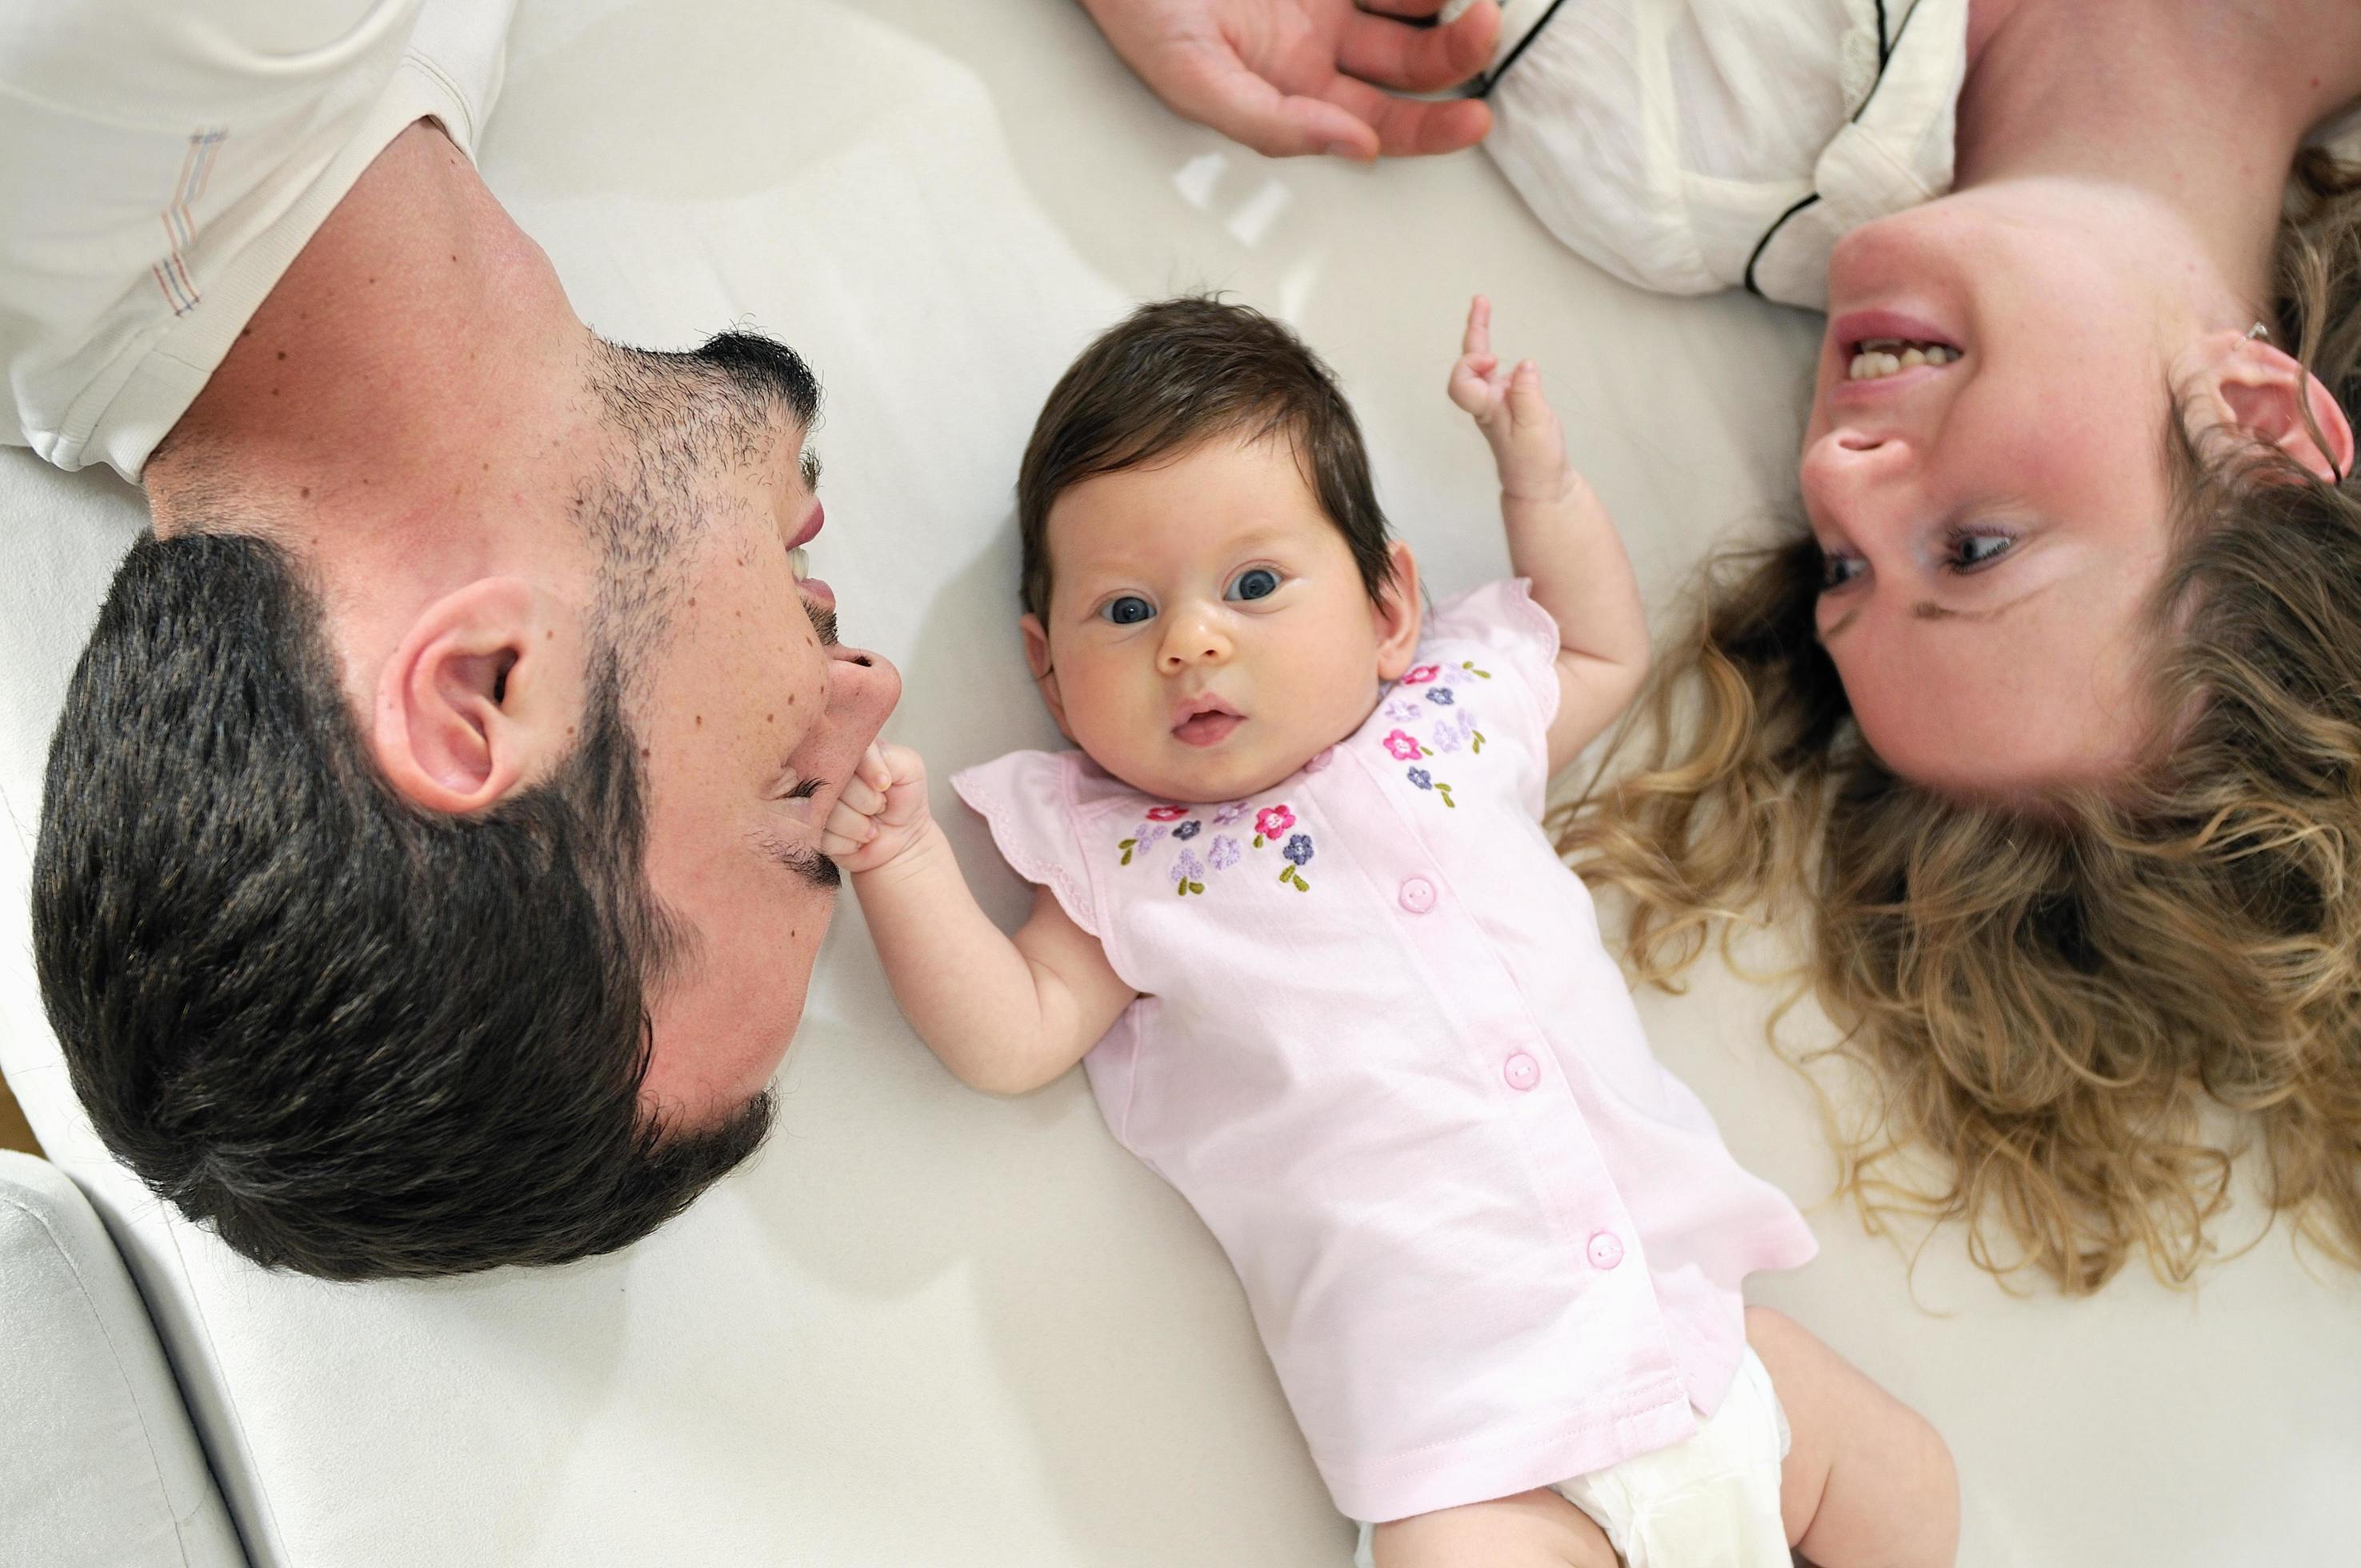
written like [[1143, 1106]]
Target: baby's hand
[[1512, 412], [881, 812]]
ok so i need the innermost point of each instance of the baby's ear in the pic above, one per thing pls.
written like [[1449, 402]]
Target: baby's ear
[[1394, 614], [1045, 676]]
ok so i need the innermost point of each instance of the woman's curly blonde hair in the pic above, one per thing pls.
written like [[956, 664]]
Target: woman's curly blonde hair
[[2051, 1000]]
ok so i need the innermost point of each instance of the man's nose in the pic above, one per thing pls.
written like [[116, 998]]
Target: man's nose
[[862, 686], [1191, 636]]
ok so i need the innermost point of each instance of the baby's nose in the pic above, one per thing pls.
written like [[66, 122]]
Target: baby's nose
[[1192, 639]]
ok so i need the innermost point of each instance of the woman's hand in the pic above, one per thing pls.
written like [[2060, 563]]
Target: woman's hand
[[1509, 409], [1296, 76], [881, 814]]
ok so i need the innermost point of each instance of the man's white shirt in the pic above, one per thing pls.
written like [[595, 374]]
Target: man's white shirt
[[161, 164]]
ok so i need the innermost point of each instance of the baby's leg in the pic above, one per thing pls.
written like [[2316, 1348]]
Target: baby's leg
[[1868, 1483], [1531, 1529]]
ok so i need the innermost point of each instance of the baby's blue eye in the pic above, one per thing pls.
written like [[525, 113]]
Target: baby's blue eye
[[1254, 583], [1129, 610]]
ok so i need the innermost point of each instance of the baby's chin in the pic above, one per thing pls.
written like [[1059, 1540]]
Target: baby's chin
[[1212, 779]]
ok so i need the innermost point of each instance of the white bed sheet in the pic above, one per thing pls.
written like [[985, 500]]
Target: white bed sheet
[[929, 1327]]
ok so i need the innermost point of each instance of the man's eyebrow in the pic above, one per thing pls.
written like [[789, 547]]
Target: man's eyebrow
[[801, 859]]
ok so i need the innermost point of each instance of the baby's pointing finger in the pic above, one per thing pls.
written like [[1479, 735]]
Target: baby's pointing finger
[[1478, 338]]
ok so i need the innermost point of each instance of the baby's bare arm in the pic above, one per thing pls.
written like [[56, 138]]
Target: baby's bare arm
[[1006, 1014], [1561, 539]]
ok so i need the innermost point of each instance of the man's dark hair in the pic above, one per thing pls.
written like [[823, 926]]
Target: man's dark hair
[[1179, 372], [359, 1037]]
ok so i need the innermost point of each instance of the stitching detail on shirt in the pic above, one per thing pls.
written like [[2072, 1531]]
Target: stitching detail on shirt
[[1885, 50], [1485, 89], [172, 274]]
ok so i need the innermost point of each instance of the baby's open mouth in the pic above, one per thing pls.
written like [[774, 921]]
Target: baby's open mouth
[[1206, 722]]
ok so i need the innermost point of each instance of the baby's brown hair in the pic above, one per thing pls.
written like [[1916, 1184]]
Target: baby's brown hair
[[1178, 372]]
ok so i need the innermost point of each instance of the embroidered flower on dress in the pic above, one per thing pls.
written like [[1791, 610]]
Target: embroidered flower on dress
[[1298, 855], [1424, 780], [1399, 711], [1403, 746], [1190, 872], [1443, 694], [1421, 675]]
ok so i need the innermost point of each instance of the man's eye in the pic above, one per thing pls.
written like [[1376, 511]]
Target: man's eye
[[1254, 583], [1835, 570], [1129, 610], [1970, 551]]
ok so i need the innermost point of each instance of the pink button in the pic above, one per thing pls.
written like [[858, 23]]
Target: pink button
[[1418, 895], [1606, 1251], [1320, 761], [1521, 1071]]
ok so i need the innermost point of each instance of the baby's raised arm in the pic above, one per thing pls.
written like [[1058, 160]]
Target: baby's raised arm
[[1561, 538], [1006, 1014]]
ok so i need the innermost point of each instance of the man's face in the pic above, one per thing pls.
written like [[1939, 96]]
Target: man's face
[[749, 714]]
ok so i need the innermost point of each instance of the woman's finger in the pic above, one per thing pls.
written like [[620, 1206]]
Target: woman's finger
[[1218, 89], [1411, 126], [1392, 54]]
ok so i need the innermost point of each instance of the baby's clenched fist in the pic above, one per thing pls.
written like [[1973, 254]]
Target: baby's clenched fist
[[880, 813]]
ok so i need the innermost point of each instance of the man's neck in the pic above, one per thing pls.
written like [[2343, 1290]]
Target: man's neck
[[2197, 104], [411, 370], [409, 411]]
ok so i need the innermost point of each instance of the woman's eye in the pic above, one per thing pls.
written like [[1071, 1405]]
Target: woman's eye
[[1835, 570], [1970, 551], [1254, 583], [1128, 610]]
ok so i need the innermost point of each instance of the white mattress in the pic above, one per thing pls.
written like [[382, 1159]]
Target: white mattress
[[929, 1327]]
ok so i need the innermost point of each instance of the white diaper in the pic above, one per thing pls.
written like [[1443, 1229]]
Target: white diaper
[[1712, 1497]]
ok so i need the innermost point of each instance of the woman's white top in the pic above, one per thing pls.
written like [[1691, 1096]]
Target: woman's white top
[[161, 165], [1691, 146]]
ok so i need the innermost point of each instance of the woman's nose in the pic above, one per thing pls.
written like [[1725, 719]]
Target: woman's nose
[[1191, 637], [1843, 465]]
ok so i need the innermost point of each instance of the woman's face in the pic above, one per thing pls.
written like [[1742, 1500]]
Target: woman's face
[[1994, 519]]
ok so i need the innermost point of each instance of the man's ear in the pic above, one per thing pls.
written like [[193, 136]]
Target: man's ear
[[1395, 614], [481, 696], [2261, 392], [1044, 675]]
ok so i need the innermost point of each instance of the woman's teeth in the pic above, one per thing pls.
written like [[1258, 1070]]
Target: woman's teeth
[[1891, 356], [798, 563]]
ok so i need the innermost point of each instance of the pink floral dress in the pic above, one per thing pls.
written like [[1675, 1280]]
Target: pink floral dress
[[1489, 1241]]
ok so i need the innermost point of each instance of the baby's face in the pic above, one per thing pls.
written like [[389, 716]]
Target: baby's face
[[1208, 632]]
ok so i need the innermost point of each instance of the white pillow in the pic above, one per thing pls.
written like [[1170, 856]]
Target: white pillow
[[98, 1463]]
